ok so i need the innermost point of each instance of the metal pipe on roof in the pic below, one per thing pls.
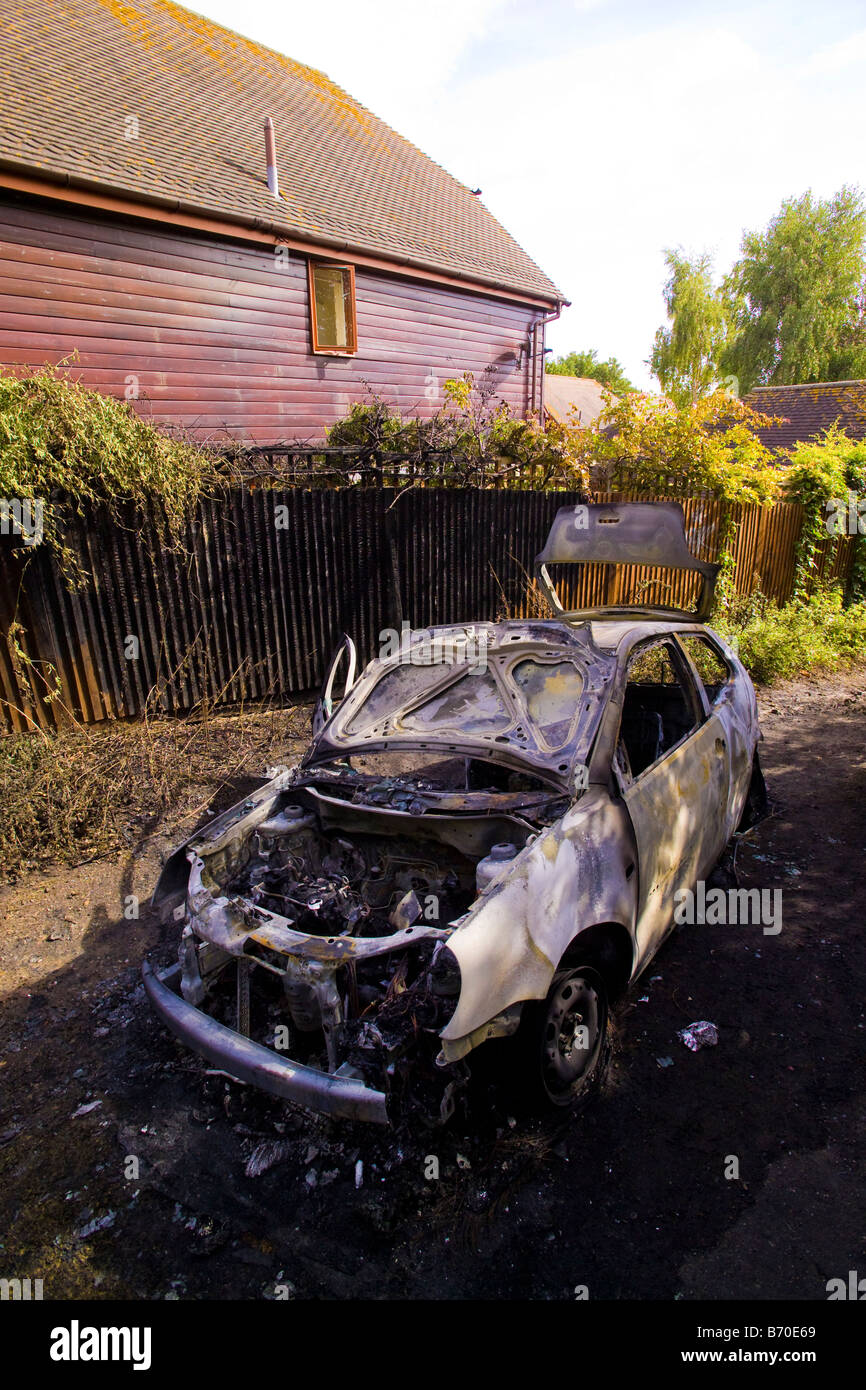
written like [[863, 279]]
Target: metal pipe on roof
[[238, 220], [271, 158]]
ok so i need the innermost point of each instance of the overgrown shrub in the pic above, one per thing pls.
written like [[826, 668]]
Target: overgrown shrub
[[810, 634], [824, 473], [711, 446], [474, 441], [74, 448], [640, 442]]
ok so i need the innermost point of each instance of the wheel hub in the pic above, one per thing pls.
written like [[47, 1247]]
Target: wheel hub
[[570, 1034]]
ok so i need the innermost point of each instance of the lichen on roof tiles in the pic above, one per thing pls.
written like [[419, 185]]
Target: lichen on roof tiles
[[202, 93]]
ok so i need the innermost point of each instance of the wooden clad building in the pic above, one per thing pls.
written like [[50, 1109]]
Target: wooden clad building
[[236, 288]]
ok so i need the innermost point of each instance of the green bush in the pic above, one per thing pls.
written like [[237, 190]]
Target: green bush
[[809, 634], [828, 469], [74, 449]]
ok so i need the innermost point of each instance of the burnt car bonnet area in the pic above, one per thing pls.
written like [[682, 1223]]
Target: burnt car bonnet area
[[479, 849]]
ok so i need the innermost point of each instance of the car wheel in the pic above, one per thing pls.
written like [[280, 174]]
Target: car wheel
[[566, 1041]]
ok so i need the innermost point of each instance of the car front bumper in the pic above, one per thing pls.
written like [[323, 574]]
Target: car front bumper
[[248, 1061]]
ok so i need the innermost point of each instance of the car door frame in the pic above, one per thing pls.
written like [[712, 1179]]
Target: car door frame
[[675, 805], [326, 704], [736, 713]]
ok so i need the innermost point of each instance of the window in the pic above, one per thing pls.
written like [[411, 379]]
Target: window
[[714, 672], [659, 709], [332, 308]]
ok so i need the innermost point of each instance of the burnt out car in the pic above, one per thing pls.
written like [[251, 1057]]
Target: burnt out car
[[482, 843]]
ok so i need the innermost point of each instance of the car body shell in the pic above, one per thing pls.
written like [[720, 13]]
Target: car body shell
[[595, 882]]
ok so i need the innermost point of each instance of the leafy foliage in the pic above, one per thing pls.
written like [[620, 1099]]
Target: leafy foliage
[[791, 310], [639, 442], [809, 634], [74, 448], [796, 295], [706, 446], [474, 441], [685, 356], [822, 471], [586, 364]]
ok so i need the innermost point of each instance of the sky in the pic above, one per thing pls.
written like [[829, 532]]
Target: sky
[[603, 131]]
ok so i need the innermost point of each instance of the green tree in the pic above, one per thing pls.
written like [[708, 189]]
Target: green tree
[[796, 295], [686, 355], [609, 373], [710, 446]]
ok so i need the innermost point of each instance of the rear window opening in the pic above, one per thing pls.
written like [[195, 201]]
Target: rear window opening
[[713, 670], [625, 586]]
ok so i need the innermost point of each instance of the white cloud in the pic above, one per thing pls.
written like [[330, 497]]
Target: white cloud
[[839, 55], [382, 51]]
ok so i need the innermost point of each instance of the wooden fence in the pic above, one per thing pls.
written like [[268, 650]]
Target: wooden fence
[[266, 580]]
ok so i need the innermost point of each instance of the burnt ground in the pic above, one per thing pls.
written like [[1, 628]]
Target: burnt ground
[[630, 1200]]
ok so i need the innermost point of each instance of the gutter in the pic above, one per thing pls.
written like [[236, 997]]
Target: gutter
[[542, 324], [265, 227]]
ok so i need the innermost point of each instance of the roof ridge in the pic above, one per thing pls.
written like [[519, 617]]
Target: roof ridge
[[810, 385]]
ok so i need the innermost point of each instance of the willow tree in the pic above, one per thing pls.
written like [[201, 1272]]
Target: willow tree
[[686, 355], [796, 295]]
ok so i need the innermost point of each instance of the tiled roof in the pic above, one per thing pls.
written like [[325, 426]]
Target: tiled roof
[[72, 73], [807, 411], [566, 394]]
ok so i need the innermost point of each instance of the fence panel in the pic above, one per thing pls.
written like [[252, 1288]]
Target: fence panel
[[253, 603]]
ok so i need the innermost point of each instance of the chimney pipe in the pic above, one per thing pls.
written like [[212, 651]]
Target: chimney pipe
[[271, 158]]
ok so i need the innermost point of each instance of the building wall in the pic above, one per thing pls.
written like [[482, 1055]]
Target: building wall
[[214, 334]]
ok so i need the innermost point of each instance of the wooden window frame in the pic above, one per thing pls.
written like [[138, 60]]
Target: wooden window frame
[[324, 350]]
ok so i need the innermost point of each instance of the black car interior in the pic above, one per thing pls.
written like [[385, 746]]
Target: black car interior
[[657, 713]]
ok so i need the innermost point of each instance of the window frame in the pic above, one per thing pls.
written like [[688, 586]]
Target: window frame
[[320, 349], [715, 646], [692, 689]]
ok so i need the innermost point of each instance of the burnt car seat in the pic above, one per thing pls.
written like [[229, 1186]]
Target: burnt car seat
[[643, 735]]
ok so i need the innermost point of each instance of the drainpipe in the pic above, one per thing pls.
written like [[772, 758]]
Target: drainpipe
[[538, 387], [271, 158]]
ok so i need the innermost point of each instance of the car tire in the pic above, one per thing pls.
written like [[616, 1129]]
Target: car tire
[[560, 1067]]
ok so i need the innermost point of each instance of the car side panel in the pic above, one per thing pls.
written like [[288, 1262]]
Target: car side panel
[[574, 875], [678, 811]]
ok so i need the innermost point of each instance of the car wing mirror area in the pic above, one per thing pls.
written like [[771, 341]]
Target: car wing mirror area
[[339, 680]]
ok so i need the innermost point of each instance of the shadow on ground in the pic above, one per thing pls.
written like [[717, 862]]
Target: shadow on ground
[[124, 1165]]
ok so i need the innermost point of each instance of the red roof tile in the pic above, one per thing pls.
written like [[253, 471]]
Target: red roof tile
[[72, 71], [807, 411]]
